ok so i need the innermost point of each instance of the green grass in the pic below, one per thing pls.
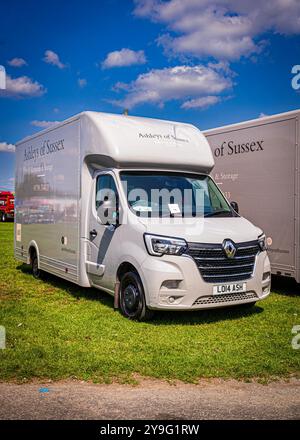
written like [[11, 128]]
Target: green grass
[[58, 330]]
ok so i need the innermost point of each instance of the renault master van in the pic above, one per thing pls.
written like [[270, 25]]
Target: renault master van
[[126, 205]]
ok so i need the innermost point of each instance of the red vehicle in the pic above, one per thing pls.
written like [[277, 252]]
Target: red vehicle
[[7, 205]]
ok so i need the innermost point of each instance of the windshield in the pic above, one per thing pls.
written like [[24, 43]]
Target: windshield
[[167, 194]]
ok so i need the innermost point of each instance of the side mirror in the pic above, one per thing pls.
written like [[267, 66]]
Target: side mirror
[[235, 206], [108, 211]]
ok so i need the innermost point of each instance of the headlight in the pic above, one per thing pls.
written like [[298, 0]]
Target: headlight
[[159, 245], [262, 242]]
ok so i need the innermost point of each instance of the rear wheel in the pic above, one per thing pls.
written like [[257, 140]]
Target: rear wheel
[[132, 298], [36, 272]]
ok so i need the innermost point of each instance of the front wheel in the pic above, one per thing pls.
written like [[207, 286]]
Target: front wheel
[[3, 217], [132, 298]]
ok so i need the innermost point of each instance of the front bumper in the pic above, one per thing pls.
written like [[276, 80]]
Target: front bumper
[[175, 283]]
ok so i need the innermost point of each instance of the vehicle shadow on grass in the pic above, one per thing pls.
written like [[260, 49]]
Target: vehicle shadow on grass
[[192, 317], [285, 286], [89, 293], [196, 317]]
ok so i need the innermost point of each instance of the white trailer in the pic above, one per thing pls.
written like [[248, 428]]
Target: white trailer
[[257, 165], [86, 212]]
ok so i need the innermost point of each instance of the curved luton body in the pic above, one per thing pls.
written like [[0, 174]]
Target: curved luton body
[[126, 204]]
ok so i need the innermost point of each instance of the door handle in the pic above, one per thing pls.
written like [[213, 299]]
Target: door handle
[[93, 233]]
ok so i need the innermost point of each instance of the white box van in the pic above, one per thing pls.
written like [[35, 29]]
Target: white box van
[[126, 204], [258, 166]]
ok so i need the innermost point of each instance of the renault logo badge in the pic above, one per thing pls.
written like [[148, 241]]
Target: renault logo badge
[[229, 248]]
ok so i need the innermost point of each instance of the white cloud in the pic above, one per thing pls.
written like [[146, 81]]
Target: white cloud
[[22, 87], [176, 83], [52, 58], [8, 148], [262, 115], [43, 124], [82, 82], [223, 29], [17, 62], [124, 57], [204, 102]]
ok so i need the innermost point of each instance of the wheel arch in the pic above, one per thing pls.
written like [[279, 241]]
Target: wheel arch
[[33, 248], [127, 265]]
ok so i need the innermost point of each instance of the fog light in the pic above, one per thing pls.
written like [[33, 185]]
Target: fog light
[[171, 284], [171, 299]]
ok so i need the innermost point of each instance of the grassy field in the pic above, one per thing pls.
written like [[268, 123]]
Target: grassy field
[[58, 330]]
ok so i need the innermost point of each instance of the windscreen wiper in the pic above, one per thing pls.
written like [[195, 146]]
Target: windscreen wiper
[[221, 211]]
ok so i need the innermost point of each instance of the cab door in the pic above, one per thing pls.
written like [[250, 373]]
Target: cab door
[[103, 230]]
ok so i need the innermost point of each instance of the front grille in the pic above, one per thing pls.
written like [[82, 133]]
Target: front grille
[[216, 267], [219, 299]]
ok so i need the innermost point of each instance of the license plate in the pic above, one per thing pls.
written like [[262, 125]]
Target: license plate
[[223, 289]]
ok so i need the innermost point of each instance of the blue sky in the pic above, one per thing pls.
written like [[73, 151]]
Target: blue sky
[[209, 63]]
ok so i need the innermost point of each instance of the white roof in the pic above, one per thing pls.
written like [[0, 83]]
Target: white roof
[[128, 141], [125, 141], [258, 121]]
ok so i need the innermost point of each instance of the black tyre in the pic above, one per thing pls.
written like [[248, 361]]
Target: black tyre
[[132, 301], [3, 217], [36, 272]]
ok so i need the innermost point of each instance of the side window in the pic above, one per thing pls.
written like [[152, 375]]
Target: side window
[[217, 200], [105, 187]]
